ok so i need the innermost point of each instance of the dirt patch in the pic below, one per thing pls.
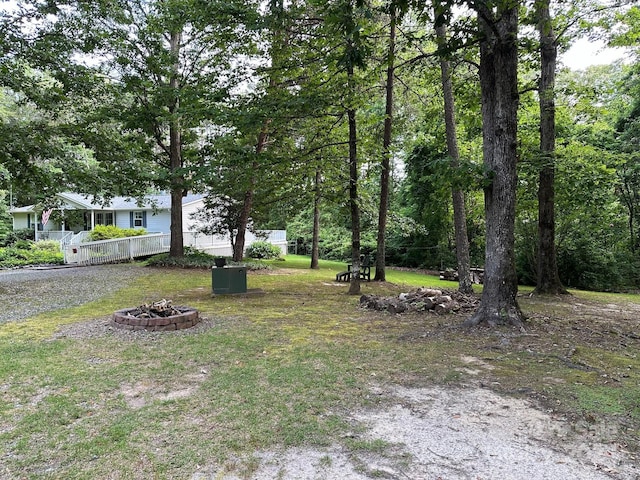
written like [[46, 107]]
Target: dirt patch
[[436, 433], [103, 326], [144, 393], [279, 271]]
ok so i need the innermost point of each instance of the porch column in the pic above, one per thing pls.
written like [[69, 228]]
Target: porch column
[[93, 219]]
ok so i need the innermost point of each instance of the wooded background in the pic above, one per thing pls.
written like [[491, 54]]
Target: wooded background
[[354, 125]]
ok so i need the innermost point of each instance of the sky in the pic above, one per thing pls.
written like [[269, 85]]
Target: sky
[[585, 53]]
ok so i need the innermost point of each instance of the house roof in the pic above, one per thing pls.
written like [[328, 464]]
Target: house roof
[[80, 201]]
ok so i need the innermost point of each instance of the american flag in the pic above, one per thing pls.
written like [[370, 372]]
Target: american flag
[[45, 216]]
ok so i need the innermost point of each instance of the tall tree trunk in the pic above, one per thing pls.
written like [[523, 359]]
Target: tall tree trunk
[[354, 285], [383, 209], [247, 204], [243, 222], [459, 213], [176, 245], [632, 231], [315, 250], [276, 15], [548, 279], [499, 89]]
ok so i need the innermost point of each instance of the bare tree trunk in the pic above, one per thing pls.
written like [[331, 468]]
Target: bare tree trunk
[[315, 250], [383, 209], [247, 205], [243, 222], [176, 245], [630, 202], [499, 87], [354, 285], [459, 213], [548, 279]]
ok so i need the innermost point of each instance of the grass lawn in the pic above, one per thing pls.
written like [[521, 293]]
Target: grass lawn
[[282, 369]]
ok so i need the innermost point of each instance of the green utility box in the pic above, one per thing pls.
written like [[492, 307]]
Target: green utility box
[[227, 280]]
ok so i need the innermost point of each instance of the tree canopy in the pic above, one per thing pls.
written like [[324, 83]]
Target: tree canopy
[[281, 113]]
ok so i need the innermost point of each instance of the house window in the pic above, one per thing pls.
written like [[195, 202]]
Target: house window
[[138, 219], [104, 218]]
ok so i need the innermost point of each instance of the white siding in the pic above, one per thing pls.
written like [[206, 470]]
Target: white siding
[[122, 219], [187, 210], [20, 221], [160, 222]]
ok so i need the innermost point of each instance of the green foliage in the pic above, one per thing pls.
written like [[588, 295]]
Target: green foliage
[[594, 185], [23, 244], [585, 265], [26, 252], [335, 235], [196, 259], [192, 259], [612, 401], [15, 235], [426, 200], [263, 250], [6, 222], [107, 232], [71, 127], [627, 32], [46, 246]]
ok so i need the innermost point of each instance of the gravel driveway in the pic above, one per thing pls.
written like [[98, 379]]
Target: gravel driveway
[[27, 292]]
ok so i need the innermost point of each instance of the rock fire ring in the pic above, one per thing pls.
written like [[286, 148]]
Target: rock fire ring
[[157, 317]]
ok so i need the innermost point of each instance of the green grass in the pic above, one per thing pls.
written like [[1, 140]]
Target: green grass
[[279, 369]]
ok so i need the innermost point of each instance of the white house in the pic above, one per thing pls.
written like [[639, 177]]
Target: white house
[[153, 214]]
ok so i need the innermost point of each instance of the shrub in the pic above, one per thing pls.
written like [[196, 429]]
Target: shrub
[[587, 266], [264, 250], [195, 259], [52, 246], [188, 261], [27, 253], [16, 235], [107, 232], [23, 244]]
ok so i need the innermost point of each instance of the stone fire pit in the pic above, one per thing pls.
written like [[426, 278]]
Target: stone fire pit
[[160, 316]]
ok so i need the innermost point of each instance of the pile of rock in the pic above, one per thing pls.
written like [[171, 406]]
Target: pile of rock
[[161, 308], [421, 300]]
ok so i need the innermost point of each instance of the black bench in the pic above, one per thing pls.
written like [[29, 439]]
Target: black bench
[[363, 274]]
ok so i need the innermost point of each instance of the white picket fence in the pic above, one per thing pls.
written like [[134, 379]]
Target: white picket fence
[[126, 249], [221, 245], [116, 250]]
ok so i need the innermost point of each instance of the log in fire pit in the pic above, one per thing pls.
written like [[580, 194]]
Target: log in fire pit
[[159, 316]]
